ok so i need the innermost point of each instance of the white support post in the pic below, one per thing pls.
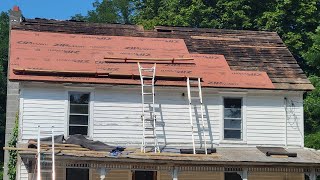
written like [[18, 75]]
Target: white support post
[[174, 174], [53, 155], [38, 156], [312, 174], [103, 172], [243, 174]]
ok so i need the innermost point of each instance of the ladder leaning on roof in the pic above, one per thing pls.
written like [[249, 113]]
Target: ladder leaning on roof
[[195, 86], [40, 159], [148, 114]]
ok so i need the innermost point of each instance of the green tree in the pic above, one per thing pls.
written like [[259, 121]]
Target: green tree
[[108, 11], [312, 108], [294, 21], [4, 45], [4, 41], [312, 100], [312, 55], [192, 13]]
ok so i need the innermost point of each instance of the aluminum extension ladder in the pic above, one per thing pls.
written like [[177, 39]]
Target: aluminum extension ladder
[[195, 86], [147, 76], [41, 157]]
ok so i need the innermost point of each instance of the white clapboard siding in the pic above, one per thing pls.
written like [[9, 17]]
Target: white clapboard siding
[[266, 120], [116, 116], [295, 121], [22, 172], [44, 107]]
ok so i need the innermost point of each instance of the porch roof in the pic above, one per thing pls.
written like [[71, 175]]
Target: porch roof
[[225, 156]]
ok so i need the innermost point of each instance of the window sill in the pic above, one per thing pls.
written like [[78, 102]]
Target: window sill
[[232, 142]]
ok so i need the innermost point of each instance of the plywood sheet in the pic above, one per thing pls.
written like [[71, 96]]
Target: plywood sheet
[[86, 53]]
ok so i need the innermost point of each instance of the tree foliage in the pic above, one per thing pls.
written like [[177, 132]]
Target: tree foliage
[[108, 11], [4, 39], [312, 107], [13, 154], [312, 100], [312, 56]]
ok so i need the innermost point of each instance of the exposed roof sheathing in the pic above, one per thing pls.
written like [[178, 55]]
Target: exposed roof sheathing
[[61, 53], [232, 156], [243, 50]]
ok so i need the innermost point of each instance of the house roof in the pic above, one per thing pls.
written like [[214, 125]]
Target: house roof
[[247, 53]]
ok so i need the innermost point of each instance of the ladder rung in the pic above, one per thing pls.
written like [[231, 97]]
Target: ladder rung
[[46, 132], [148, 119], [151, 69], [148, 102], [199, 115], [193, 81], [149, 137], [149, 128], [46, 170], [147, 77], [148, 85], [149, 146], [193, 89], [148, 111], [147, 93], [197, 98], [46, 161]]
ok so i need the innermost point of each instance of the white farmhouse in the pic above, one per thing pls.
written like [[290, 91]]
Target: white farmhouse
[[83, 78]]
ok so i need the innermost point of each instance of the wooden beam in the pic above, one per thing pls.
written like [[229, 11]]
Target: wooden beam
[[149, 59], [95, 74]]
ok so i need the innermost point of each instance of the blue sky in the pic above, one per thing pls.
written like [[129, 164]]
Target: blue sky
[[50, 9]]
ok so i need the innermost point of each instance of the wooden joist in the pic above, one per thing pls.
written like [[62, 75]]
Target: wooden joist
[[57, 149], [55, 144]]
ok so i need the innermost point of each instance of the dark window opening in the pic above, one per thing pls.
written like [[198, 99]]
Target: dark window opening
[[77, 174], [78, 113], [144, 175], [232, 176]]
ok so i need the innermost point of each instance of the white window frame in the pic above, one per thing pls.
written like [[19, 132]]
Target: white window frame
[[244, 118], [89, 90]]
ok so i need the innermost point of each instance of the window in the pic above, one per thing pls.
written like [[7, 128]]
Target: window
[[232, 176], [77, 174], [144, 175], [79, 113], [233, 118]]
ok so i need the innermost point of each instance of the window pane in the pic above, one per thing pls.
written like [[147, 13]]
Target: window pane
[[78, 130], [77, 174], [78, 119], [79, 98], [232, 113], [232, 123], [232, 176], [232, 134], [232, 103], [144, 175], [79, 109]]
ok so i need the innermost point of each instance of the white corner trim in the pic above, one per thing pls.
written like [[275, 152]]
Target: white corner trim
[[20, 125]]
